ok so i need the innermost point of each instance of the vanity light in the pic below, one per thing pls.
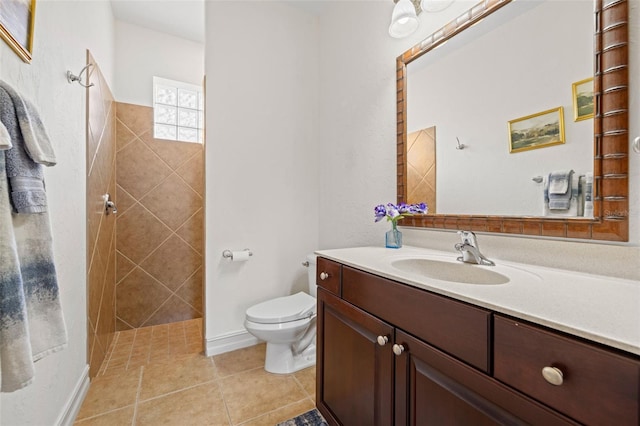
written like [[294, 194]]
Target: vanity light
[[404, 19]]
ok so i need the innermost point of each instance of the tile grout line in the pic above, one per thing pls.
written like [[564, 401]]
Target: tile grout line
[[135, 406], [300, 384], [221, 390]]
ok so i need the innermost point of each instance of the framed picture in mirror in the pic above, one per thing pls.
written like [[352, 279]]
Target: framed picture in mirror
[[538, 130], [582, 99], [16, 26]]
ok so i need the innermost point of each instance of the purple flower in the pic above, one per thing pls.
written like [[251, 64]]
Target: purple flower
[[380, 212], [394, 212]]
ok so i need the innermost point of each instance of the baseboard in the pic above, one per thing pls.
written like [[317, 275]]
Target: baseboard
[[230, 342], [72, 407]]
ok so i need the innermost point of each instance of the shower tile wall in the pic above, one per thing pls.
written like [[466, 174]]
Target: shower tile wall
[[160, 225], [101, 179], [421, 167]]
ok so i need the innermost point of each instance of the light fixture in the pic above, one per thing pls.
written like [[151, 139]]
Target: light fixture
[[404, 19]]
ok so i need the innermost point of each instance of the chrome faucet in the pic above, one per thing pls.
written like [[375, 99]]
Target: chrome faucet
[[470, 250]]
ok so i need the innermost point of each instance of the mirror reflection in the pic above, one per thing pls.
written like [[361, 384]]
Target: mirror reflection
[[491, 127]]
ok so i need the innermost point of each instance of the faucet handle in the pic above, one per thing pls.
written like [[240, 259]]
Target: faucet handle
[[468, 237]]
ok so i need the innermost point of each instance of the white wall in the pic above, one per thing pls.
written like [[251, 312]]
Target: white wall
[[141, 53], [63, 32], [357, 138], [261, 156]]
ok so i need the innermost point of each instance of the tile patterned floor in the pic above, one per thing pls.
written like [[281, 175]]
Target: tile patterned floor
[[159, 376]]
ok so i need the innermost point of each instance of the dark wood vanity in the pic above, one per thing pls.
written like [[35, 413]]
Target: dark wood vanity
[[394, 354]]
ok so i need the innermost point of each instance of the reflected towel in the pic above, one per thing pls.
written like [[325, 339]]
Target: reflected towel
[[560, 190]]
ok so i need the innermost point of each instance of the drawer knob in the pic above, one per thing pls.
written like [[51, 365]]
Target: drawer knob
[[382, 340], [324, 276], [398, 349], [553, 375]]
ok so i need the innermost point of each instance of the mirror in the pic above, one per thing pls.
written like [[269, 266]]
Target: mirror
[[599, 145]]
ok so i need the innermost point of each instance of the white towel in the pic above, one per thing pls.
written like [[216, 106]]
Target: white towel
[[31, 321]]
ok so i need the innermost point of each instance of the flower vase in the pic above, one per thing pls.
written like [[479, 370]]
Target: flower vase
[[393, 237]]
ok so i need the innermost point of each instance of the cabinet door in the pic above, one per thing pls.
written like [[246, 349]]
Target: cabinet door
[[433, 388], [354, 372]]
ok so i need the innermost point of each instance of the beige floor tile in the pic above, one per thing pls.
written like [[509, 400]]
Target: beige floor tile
[[200, 405], [178, 372], [240, 360], [121, 417], [282, 414], [256, 392], [110, 392], [307, 378]]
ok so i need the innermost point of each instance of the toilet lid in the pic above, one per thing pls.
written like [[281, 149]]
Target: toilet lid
[[283, 309]]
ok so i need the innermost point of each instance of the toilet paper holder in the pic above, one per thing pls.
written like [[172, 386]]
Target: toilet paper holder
[[228, 254]]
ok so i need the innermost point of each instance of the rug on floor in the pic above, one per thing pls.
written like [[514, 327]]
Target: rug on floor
[[310, 418]]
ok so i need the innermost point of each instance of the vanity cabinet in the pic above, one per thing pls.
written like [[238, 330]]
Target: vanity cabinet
[[393, 354]]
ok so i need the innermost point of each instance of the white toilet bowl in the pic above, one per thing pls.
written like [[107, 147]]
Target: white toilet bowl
[[288, 325]]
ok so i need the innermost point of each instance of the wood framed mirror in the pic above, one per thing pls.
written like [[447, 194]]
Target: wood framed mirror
[[610, 135]]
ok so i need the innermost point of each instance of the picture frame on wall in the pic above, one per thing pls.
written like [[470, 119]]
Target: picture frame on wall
[[583, 105], [537, 130], [16, 26]]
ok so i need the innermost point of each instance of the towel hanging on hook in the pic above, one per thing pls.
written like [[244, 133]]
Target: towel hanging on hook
[[71, 77]]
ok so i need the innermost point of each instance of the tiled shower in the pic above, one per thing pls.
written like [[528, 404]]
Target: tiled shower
[[159, 243], [145, 262]]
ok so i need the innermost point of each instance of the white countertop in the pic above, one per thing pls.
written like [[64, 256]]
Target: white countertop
[[597, 308]]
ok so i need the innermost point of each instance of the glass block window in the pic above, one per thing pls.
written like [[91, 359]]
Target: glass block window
[[178, 111]]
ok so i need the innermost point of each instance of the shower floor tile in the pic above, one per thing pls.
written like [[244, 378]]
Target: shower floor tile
[[159, 375]]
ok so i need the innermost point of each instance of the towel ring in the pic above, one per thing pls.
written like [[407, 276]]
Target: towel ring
[[72, 77]]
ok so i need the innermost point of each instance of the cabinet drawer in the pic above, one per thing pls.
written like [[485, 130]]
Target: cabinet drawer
[[328, 275], [454, 327], [598, 387]]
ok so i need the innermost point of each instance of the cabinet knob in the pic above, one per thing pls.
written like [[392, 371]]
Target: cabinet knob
[[324, 275], [398, 349], [553, 375], [382, 340]]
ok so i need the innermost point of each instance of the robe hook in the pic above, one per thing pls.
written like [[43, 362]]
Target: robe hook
[[71, 77], [460, 145]]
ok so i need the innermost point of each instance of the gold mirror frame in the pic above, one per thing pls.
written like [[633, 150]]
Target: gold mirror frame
[[611, 135]]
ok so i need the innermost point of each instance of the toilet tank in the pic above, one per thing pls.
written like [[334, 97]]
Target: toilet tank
[[311, 271]]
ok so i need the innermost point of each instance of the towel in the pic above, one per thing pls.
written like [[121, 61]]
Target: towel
[[36, 141], [560, 190], [31, 321], [5, 140], [23, 165]]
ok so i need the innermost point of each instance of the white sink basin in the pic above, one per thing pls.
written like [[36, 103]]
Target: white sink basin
[[451, 271]]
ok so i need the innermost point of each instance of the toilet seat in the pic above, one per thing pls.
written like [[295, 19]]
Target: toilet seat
[[283, 309]]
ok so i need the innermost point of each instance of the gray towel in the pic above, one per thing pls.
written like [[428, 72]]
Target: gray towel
[[560, 190], [36, 141], [24, 161]]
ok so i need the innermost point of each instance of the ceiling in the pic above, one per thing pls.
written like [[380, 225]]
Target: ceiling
[[180, 18]]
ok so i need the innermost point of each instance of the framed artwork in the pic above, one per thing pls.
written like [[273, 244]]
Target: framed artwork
[[538, 130], [16, 26], [582, 99]]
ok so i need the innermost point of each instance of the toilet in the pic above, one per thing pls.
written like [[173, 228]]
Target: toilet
[[288, 325]]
